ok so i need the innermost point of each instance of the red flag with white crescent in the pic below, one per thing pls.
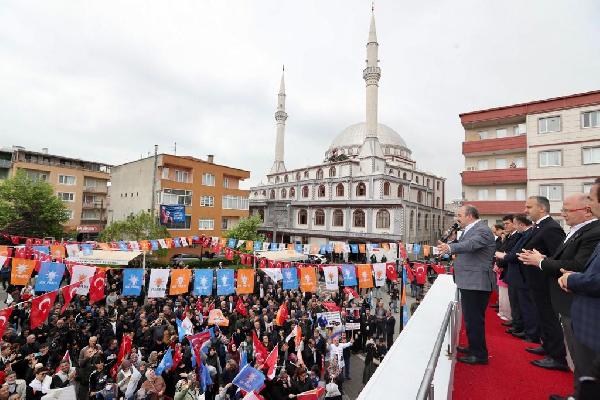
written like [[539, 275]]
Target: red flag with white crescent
[[124, 350], [97, 285], [390, 271], [68, 292], [271, 362], [40, 309], [4, 317]]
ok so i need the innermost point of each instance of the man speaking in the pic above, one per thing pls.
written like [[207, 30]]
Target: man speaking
[[474, 278]]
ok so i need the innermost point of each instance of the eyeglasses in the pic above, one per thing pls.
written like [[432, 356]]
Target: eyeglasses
[[567, 210]]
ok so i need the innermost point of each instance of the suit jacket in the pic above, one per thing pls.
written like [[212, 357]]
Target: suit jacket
[[546, 237], [475, 255], [507, 244], [514, 273], [585, 311], [572, 256]]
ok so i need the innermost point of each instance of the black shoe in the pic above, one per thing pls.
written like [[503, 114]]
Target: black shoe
[[520, 335], [472, 360], [550, 363], [464, 350], [559, 397], [511, 330], [532, 340], [536, 350], [507, 323]]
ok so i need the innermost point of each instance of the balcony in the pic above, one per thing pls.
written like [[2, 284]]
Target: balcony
[[95, 189], [498, 207], [491, 177], [509, 144], [94, 220], [92, 205]]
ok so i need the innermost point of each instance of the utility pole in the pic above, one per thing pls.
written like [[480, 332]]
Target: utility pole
[[153, 205]]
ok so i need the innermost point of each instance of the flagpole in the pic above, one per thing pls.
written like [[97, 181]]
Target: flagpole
[[401, 285]]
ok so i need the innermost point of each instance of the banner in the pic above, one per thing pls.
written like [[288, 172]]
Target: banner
[[57, 251], [21, 271], [273, 273], [216, 317], [329, 319], [349, 274], [290, 279], [308, 280], [49, 277], [133, 279], [82, 273], [172, 214], [245, 281], [365, 276], [203, 282], [225, 282], [158, 282], [180, 281], [331, 278], [379, 270], [249, 379]]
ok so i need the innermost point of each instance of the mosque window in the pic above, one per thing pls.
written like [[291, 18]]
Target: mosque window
[[419, 221], [382, 219], [277, 179], [319, 217], [427, 182], [321, 192], [358, 219], [272, 195], [361, 189], [285, 178], [283, 193], [412, 219], [302, 217], [297, 176], [292, 192], [305, 191], [331, 172], [419, 197], [264, 192], [417, 179], [386, 150], [386, 189], [437, 185], [426, 222], [338, 218], [319, 173], [306, 174], [339, 190], [437, 202], [400, 191]]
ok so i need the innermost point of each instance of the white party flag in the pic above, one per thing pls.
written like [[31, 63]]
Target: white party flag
[[273, 273], [82, 273], [331, 277], [158, 282], [379, 272]]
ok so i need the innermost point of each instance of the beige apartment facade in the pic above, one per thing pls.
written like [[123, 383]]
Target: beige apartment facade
[[548, 147]]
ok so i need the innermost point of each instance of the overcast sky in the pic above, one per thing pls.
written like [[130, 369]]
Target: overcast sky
[[106, 80]]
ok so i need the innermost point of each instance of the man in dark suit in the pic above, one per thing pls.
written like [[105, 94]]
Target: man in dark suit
[[585, 310], [474, 278], [546, 237], [572, 254]]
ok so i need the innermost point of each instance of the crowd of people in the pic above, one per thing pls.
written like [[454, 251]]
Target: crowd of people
[[34, 362]]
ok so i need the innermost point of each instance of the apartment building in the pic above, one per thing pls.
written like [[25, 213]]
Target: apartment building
[[547, 147], [211, 194], [81, 185]]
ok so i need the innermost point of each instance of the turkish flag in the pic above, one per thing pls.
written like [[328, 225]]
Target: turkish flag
[[4, 316], [271, 362], [263, 262], [241, 307], [390, 271], [124, 350], [68, 292], [177, 356], [331, 306], [40, 309], [314, 394], [259, 348], [97, 285], [282, 315]]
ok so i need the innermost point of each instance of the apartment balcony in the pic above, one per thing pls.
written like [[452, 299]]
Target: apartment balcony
[[95, 189], [498, 207], [504, 145], [94, 220], [491, 177], [93, 205]]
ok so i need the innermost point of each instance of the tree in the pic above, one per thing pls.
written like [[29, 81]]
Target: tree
[[30, 208], [142, 226], [247, 229]]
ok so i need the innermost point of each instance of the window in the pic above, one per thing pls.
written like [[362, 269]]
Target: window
[[590, 119], [235, 202], [386, 189], [520, 194], [225, 223], [226, 183], [339, 190], [416, 179], [501, 163], [277, 179], [165, 173], [437, 202], [180, 225], [175, 196], [519, 162], [361, 189], [418, 221], [182, 176], [587, 187], [400, 191], [283, 193], [207, 201], [285, 178], [272, 195], [321, 191], [358, 219], [66, 180], [411, 221], [551, 158], [292, 193], [483, 135], [428, 183], [338, 218], [552, 192], [482, 194], [297, 176], [319, 218], [482, 165], [501, 194], [88, 182], [305, 191], [66, 196], [208, 179], [331, 172], [302, 217], [419, 196], [426, 222], [437, 185], [591, 155], [549, 124], [90, 215], [404, 175], [306, 174], [382, 220], [500, 133], [319, 173]]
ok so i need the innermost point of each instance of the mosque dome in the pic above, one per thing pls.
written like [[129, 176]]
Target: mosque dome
[[350, 139]]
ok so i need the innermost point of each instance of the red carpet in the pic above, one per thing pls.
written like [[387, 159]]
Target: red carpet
[[509, 375]]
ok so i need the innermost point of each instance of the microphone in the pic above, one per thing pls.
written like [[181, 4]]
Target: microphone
[[453, 229]]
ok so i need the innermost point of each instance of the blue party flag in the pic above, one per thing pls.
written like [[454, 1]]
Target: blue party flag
[[176, 242], [231, 243], [249, 379], [225, 282], [299, 248], [354, 248], [123, 246], [165, 363], [349, 274], [133, 278], [323, 249], [154, 244], [49, 277], [42, 249], [203, 282], [87, 249], [290, 278], [205, 375], [274, 246], [258, 245], [416, 248], [243, 359]]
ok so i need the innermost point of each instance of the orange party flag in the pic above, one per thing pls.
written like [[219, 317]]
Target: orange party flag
[[386, 246], [144, 245], [4, 251], [426, 250], [245, 281], [338, 248], [314, 249], [364, 275], [57, 251], [169, 243], [249, 245], [104, 246], [308, 280], [180, 281], [223, 242], [403, 301], [21, 271], [362, 248]]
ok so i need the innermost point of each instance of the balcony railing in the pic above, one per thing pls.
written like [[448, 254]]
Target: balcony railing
[[491, 177], [93, 205], [484, 146], [95, 189]]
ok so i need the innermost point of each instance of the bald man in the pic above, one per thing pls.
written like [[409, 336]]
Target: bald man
[[571, 255]]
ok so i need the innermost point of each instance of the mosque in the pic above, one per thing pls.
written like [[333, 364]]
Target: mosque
[[368, 189]]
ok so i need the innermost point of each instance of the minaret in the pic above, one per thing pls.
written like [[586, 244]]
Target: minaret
[[371, 147], [280, 117]]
